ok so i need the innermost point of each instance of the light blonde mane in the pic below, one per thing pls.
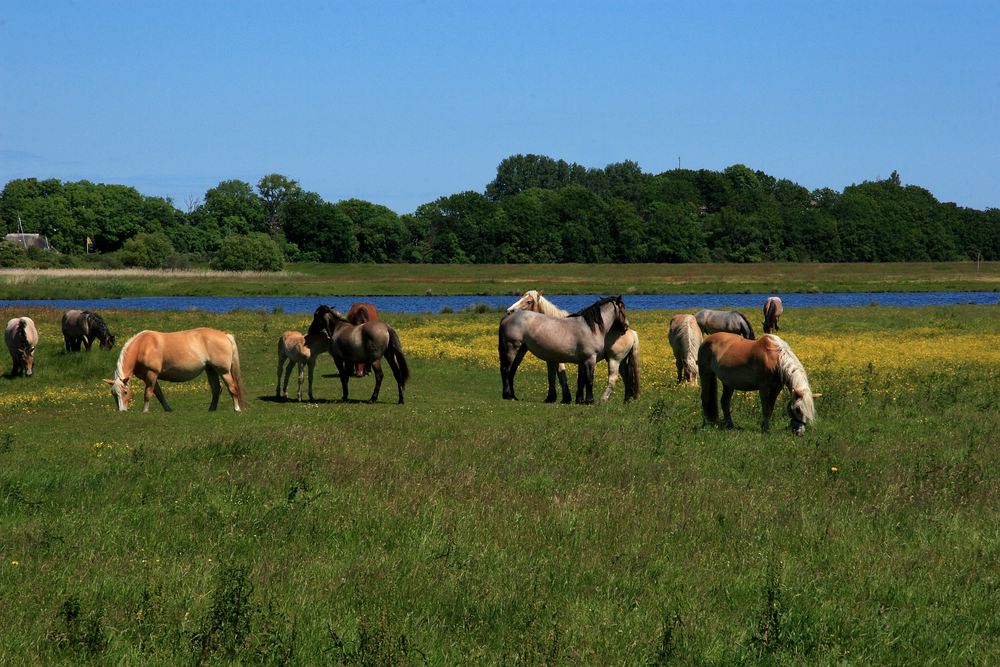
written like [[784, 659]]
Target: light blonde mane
[[793, 374], [120, 366], [541, 304]]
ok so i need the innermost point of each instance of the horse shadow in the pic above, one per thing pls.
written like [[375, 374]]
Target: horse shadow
[[271, 398]]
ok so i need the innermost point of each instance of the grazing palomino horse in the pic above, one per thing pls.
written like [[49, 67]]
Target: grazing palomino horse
[[731, 321], [83, 326], [359, 313], [624, 355], [298, 350], [582, 338], [772, 313], [21, 338], [765, 366], [361, 343], [685, 338], [178, 357]]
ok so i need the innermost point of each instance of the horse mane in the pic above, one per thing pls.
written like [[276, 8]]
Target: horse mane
[[119, 370], [793, 375], [747, 322], [98, 322], [546, 307], [592, 314]]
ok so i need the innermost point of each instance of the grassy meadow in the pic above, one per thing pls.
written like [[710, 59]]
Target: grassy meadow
[[462, 529]]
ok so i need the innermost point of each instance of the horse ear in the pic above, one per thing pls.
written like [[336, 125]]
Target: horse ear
[[111, 382], [817, 395]]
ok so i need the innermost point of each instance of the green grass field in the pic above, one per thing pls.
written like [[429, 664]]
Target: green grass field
[[462, 529], [448, 279]]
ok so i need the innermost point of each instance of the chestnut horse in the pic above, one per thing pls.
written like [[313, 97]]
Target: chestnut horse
[[359, 313], [624, 355], [21, 338], [685, 338], [772, 313], [83, 326], [765, 366], [298, 350], [178, 356]]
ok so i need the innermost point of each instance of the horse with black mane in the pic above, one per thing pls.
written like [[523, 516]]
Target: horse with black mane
[[582, 338], [84, 327], [366, 343]]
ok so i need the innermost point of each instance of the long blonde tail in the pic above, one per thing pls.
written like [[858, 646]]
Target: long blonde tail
[[234, 368]]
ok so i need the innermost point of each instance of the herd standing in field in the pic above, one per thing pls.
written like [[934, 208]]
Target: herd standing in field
[[710, 346]]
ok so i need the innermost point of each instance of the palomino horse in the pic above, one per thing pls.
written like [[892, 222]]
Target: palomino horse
[[685, 337], [359, 313], [83, 326], [298, 350], [582, 338], [765, 365], [178, 357], [731, 321], [22, 339], [624, 354], [772, 313], [361, 344]]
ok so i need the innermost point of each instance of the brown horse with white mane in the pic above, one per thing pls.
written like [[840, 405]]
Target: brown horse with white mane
[[359, 313], [765, 365], [178, 356], [685, 338]]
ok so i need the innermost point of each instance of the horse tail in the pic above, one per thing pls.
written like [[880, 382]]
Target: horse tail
[[749, 329], [395, 352], [234, 369], [630, 370], [709, 390]]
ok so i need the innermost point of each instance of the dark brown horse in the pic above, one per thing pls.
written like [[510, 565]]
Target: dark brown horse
[[351, 344], [83, 326], [359, 313], [766, 365]]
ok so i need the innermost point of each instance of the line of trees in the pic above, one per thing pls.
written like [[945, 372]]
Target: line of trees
[[537, 209]]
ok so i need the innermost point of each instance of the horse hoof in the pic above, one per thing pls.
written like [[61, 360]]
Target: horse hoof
[[550, 399]]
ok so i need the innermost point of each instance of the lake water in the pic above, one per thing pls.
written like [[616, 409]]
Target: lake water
[[571, 302]]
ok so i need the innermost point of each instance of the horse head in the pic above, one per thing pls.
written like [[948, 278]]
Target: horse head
[[621, 318], [27, 358], [528, 301], [120, 393], [801, 410], [107, 342]]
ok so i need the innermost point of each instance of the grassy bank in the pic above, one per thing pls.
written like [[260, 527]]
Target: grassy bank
[[401, 279], [462, 529]]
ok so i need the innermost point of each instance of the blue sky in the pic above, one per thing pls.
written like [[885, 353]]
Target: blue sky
[[400, 103]]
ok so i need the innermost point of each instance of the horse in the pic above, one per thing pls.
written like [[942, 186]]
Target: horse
[[299, 350], [772, 313], [83, 326], [685, 338], [359, 313], [364, 343], [624, 354], [178, 356], [581, 338], [730, 321], [765, 365], [21, 338]]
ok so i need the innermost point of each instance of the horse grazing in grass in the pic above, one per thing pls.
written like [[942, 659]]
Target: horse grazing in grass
[[21, 338], [367, 343], [178, 357], [298, 350], [359, 313], [685, 338], [765, 366], [772, 313], [623, 358], [83, 326], [730, 321], [582, 338]]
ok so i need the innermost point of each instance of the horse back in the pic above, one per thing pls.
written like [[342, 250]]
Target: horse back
[[739, 363], [15, 335], [359, 313], [181, 355]]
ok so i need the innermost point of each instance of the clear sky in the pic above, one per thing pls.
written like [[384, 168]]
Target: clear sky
[[401, 103]]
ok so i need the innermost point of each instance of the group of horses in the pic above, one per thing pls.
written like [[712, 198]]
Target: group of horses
[[711, 345]]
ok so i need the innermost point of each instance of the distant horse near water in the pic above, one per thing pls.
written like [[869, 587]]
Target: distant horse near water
[[624, 355], [359, 313], [21, 338], [178, 356], [685, 338], [730, 321], [772, 313], [766, 366], [84, 327]]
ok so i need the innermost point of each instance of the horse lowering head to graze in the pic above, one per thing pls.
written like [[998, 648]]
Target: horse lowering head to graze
[[84, 327], [685, 338], [730, 321], [178, 356], [21, 338], [766, 366], [367, 343], [772, 313], [582, 338], [623, 358], [359, 313]]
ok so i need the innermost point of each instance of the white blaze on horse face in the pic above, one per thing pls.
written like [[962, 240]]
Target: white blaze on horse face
[[120, 392], [526, 302]]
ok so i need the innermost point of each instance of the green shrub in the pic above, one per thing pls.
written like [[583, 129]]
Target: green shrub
[[11, 254], [149, 251], [253, 252]]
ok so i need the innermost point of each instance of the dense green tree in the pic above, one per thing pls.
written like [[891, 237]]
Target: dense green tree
[[148, 251], [321, 228], [253, 252], [236, 202], [275, 192]]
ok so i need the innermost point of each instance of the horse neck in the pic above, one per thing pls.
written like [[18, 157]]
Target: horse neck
[[127, 359], [546, 307]]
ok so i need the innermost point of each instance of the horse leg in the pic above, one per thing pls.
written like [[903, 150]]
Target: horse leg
[[552, 368], [768, 397], [69, 343], [159, 396], [302, 370], [342, 368], [234, 388], [87, 342], [312, 366], [564, 383], [518, 358], [590, 365], [288, 374], [613, 375], [727, 403], [281, 366], [216, 385], [396, 373], [377, 370]]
